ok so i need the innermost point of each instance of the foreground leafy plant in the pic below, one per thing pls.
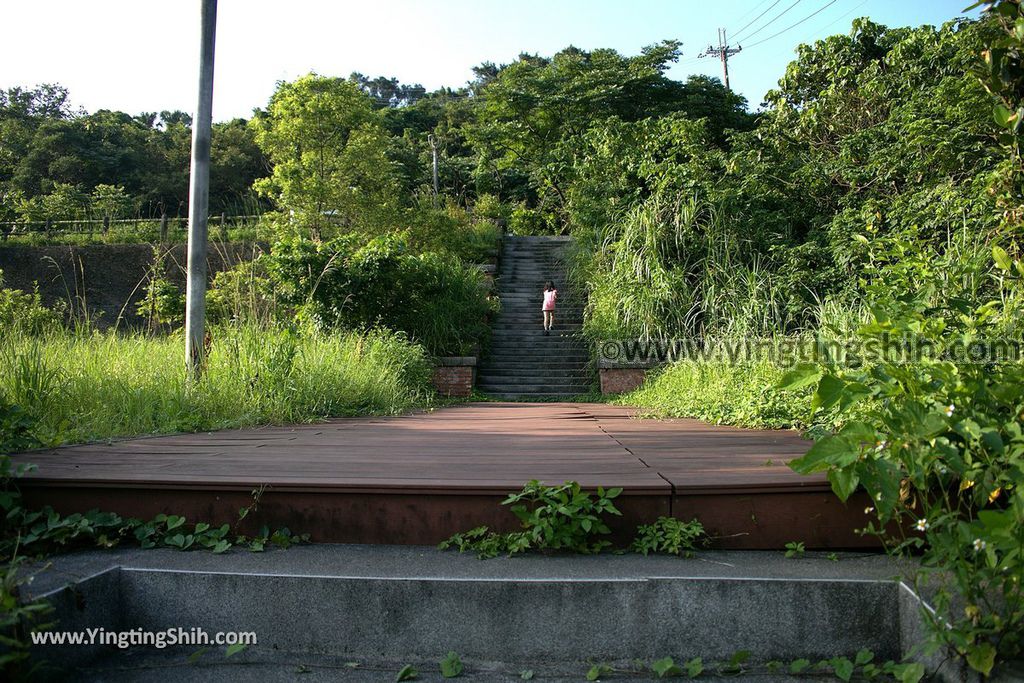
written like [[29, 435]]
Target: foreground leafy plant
[[562, 517], [666, 668], [670, 536], [937, 441], [17, 619], [451, 665], [795, 549]]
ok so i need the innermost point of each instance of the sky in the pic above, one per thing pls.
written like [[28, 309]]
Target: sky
[[142, 55]]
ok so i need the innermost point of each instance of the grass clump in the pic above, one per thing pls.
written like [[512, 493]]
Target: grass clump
[[86, 387], [735, 393]]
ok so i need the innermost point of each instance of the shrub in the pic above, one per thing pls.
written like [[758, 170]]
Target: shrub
[[21, 311], [433, 298], [452, 230], [670, 536], [552, 517], [938, 444]]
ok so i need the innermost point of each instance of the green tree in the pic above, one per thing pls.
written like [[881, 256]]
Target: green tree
[[110, 201], [329, 151]]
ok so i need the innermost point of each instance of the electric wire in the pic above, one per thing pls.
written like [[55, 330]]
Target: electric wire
[[840, 18], [751, 11], [770, 22], [740, 32], [776, 35]]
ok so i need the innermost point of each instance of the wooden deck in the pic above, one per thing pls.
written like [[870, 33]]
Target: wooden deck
[[419, 478]]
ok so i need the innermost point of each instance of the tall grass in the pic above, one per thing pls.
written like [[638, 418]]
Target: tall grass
[[723, 392], [86, 387], [675, 268]]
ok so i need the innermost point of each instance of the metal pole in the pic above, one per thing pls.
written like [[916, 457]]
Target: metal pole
[[199, 196], [433, 147]]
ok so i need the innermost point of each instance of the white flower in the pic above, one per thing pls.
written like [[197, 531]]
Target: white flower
[[949, 410], [868, 510], [878, 496], [979, 545], [881, 445], [922, 525]]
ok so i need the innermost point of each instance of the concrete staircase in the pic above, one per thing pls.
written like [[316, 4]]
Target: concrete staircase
[[522, 361]]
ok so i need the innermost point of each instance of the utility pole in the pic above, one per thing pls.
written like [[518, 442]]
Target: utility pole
[[723, 52], [199, 197], [433, 147]]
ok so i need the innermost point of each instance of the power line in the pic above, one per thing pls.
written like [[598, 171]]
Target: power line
[[751, 11], [776, 35], [772, 21], [736, 33], [840, 17]]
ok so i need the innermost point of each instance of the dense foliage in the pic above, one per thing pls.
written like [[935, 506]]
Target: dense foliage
[[59, 163], [874, 210], [343, 283], [882, 132]]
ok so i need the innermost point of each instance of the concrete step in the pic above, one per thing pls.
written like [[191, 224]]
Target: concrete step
[[492, 380], [391, 605], [487, 365], [552, 388]]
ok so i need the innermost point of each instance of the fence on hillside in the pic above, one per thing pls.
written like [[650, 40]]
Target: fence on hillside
[[163, 228]]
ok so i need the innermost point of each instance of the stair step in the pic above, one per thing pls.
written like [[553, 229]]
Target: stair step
[[532, 381], [565, 389]]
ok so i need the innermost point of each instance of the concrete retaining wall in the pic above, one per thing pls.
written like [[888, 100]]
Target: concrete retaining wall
[[108, 278]]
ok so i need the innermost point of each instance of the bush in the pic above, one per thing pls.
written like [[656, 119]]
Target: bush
[[20, 311], [452, 230], [937, 441], [433, 298], [552, 517]]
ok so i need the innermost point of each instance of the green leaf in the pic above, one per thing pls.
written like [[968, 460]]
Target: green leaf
[[1004, 118], [844, 481], [981, 657], [451, 665], [863, 657], [829, 392], [235, 649], [526, 675], [831, 450], [843, 668], [594, 673], [407, 673], [799, 665], [694, 667], [1002, 259], [665, 668], [803, 375], [909, 673], [194, 657]]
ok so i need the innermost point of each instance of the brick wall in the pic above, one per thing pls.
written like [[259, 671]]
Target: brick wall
[[454, 380], [621, 380]]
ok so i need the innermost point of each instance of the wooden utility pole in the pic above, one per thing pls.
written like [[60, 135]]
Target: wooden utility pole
[[199, 196], [723, 52]]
